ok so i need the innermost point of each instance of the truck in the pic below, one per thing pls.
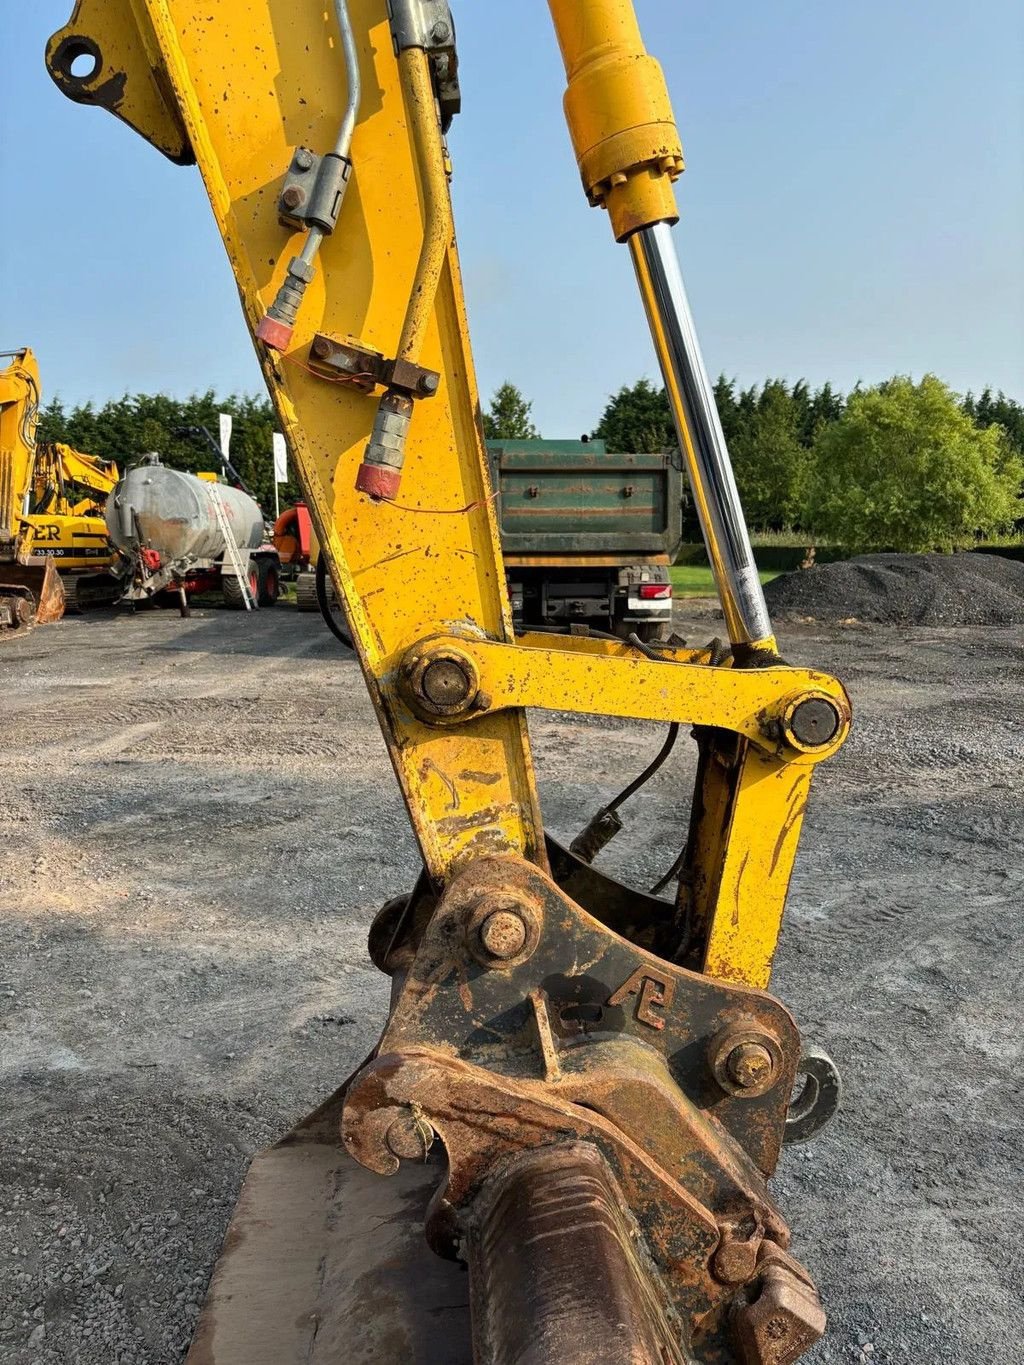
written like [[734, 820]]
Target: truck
[[588, 535], [187, 534]]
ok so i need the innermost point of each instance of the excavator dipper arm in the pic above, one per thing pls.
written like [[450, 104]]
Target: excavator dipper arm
[[607, 1080]]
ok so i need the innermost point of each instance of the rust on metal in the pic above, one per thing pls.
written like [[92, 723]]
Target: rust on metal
[[556, 1271], [654, 991], [31, 594], [323, 1263], [784, 1318], [745, 1058]]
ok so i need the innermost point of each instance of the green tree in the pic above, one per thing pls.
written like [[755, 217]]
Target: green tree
[[997, 410], [905, 468], [508, 417], [638, 421], [125, 428], [826, 406], [769, 458], [728, 408]]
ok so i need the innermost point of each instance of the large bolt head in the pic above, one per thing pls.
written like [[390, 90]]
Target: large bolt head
[[502, 929], [439, 680], [503, 935], [746, 1060], [750, 1065]]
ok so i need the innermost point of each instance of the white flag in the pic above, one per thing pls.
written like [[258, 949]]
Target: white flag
[[280, 459], [225, 435]]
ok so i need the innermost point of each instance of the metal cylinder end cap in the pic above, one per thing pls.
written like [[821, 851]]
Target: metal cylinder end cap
[[441, 682], [276, 335], [379, 482], [814, 721]]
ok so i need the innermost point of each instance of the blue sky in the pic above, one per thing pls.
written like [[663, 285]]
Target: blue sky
[[853, 206]]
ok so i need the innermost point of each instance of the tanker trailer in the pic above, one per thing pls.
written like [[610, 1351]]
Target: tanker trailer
[[185, 534]]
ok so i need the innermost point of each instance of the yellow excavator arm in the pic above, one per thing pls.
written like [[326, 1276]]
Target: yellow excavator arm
[[62, 473], [19, 414], [607, 1079], [30, 590]]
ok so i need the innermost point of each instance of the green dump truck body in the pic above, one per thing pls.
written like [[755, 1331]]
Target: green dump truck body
[[562, 501]]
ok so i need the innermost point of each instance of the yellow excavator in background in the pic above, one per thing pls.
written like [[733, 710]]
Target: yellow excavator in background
[[55, 554], [30, 588], [582, 1087], [65, 517]]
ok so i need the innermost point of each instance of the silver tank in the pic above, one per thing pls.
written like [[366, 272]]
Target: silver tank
[[174, 514]]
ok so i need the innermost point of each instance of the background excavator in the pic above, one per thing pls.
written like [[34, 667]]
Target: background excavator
[[582, 1088], [55, 554]]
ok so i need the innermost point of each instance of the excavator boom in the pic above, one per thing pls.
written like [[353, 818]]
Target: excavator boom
[[30, 589], [582, 1088]]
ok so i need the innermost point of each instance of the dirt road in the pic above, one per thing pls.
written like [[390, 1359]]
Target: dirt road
[[198, 821]]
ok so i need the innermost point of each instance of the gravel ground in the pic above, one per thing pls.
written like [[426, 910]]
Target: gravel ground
[[198, 822], [904, 590]]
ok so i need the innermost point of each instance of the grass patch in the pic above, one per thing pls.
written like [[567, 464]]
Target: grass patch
[[696, 580]]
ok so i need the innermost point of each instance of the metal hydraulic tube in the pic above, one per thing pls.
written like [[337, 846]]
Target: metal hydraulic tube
[[700, 437], [276, 327], [380, 472], [627, 147]]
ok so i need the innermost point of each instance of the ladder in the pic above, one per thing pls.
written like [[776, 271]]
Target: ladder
[[230, 548]]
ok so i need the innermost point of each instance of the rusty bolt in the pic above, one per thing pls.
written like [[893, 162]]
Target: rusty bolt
[[410, 1137], [441, 681], [735, 1261], [502, 929], [303, 159], [292, 197], [322, 347], [750, 1065], [503, 935], [745, 1059]]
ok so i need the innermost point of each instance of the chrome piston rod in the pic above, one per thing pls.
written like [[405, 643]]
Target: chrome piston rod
[[701, 439]]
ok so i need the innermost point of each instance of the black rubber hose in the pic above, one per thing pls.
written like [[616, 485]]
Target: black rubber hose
[[323, 601]]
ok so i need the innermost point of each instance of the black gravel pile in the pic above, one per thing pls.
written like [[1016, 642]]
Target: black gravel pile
[[905, 590]]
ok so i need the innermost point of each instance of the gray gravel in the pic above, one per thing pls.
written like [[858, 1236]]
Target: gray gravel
[[907, 590], [198, 822]]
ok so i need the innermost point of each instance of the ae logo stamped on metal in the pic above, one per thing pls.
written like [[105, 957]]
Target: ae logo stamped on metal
[[654, 991]]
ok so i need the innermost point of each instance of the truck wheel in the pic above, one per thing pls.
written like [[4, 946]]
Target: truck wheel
[[231, 587], [269, 577]]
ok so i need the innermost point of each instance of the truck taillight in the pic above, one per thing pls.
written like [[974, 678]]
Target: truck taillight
[[655, 592]]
